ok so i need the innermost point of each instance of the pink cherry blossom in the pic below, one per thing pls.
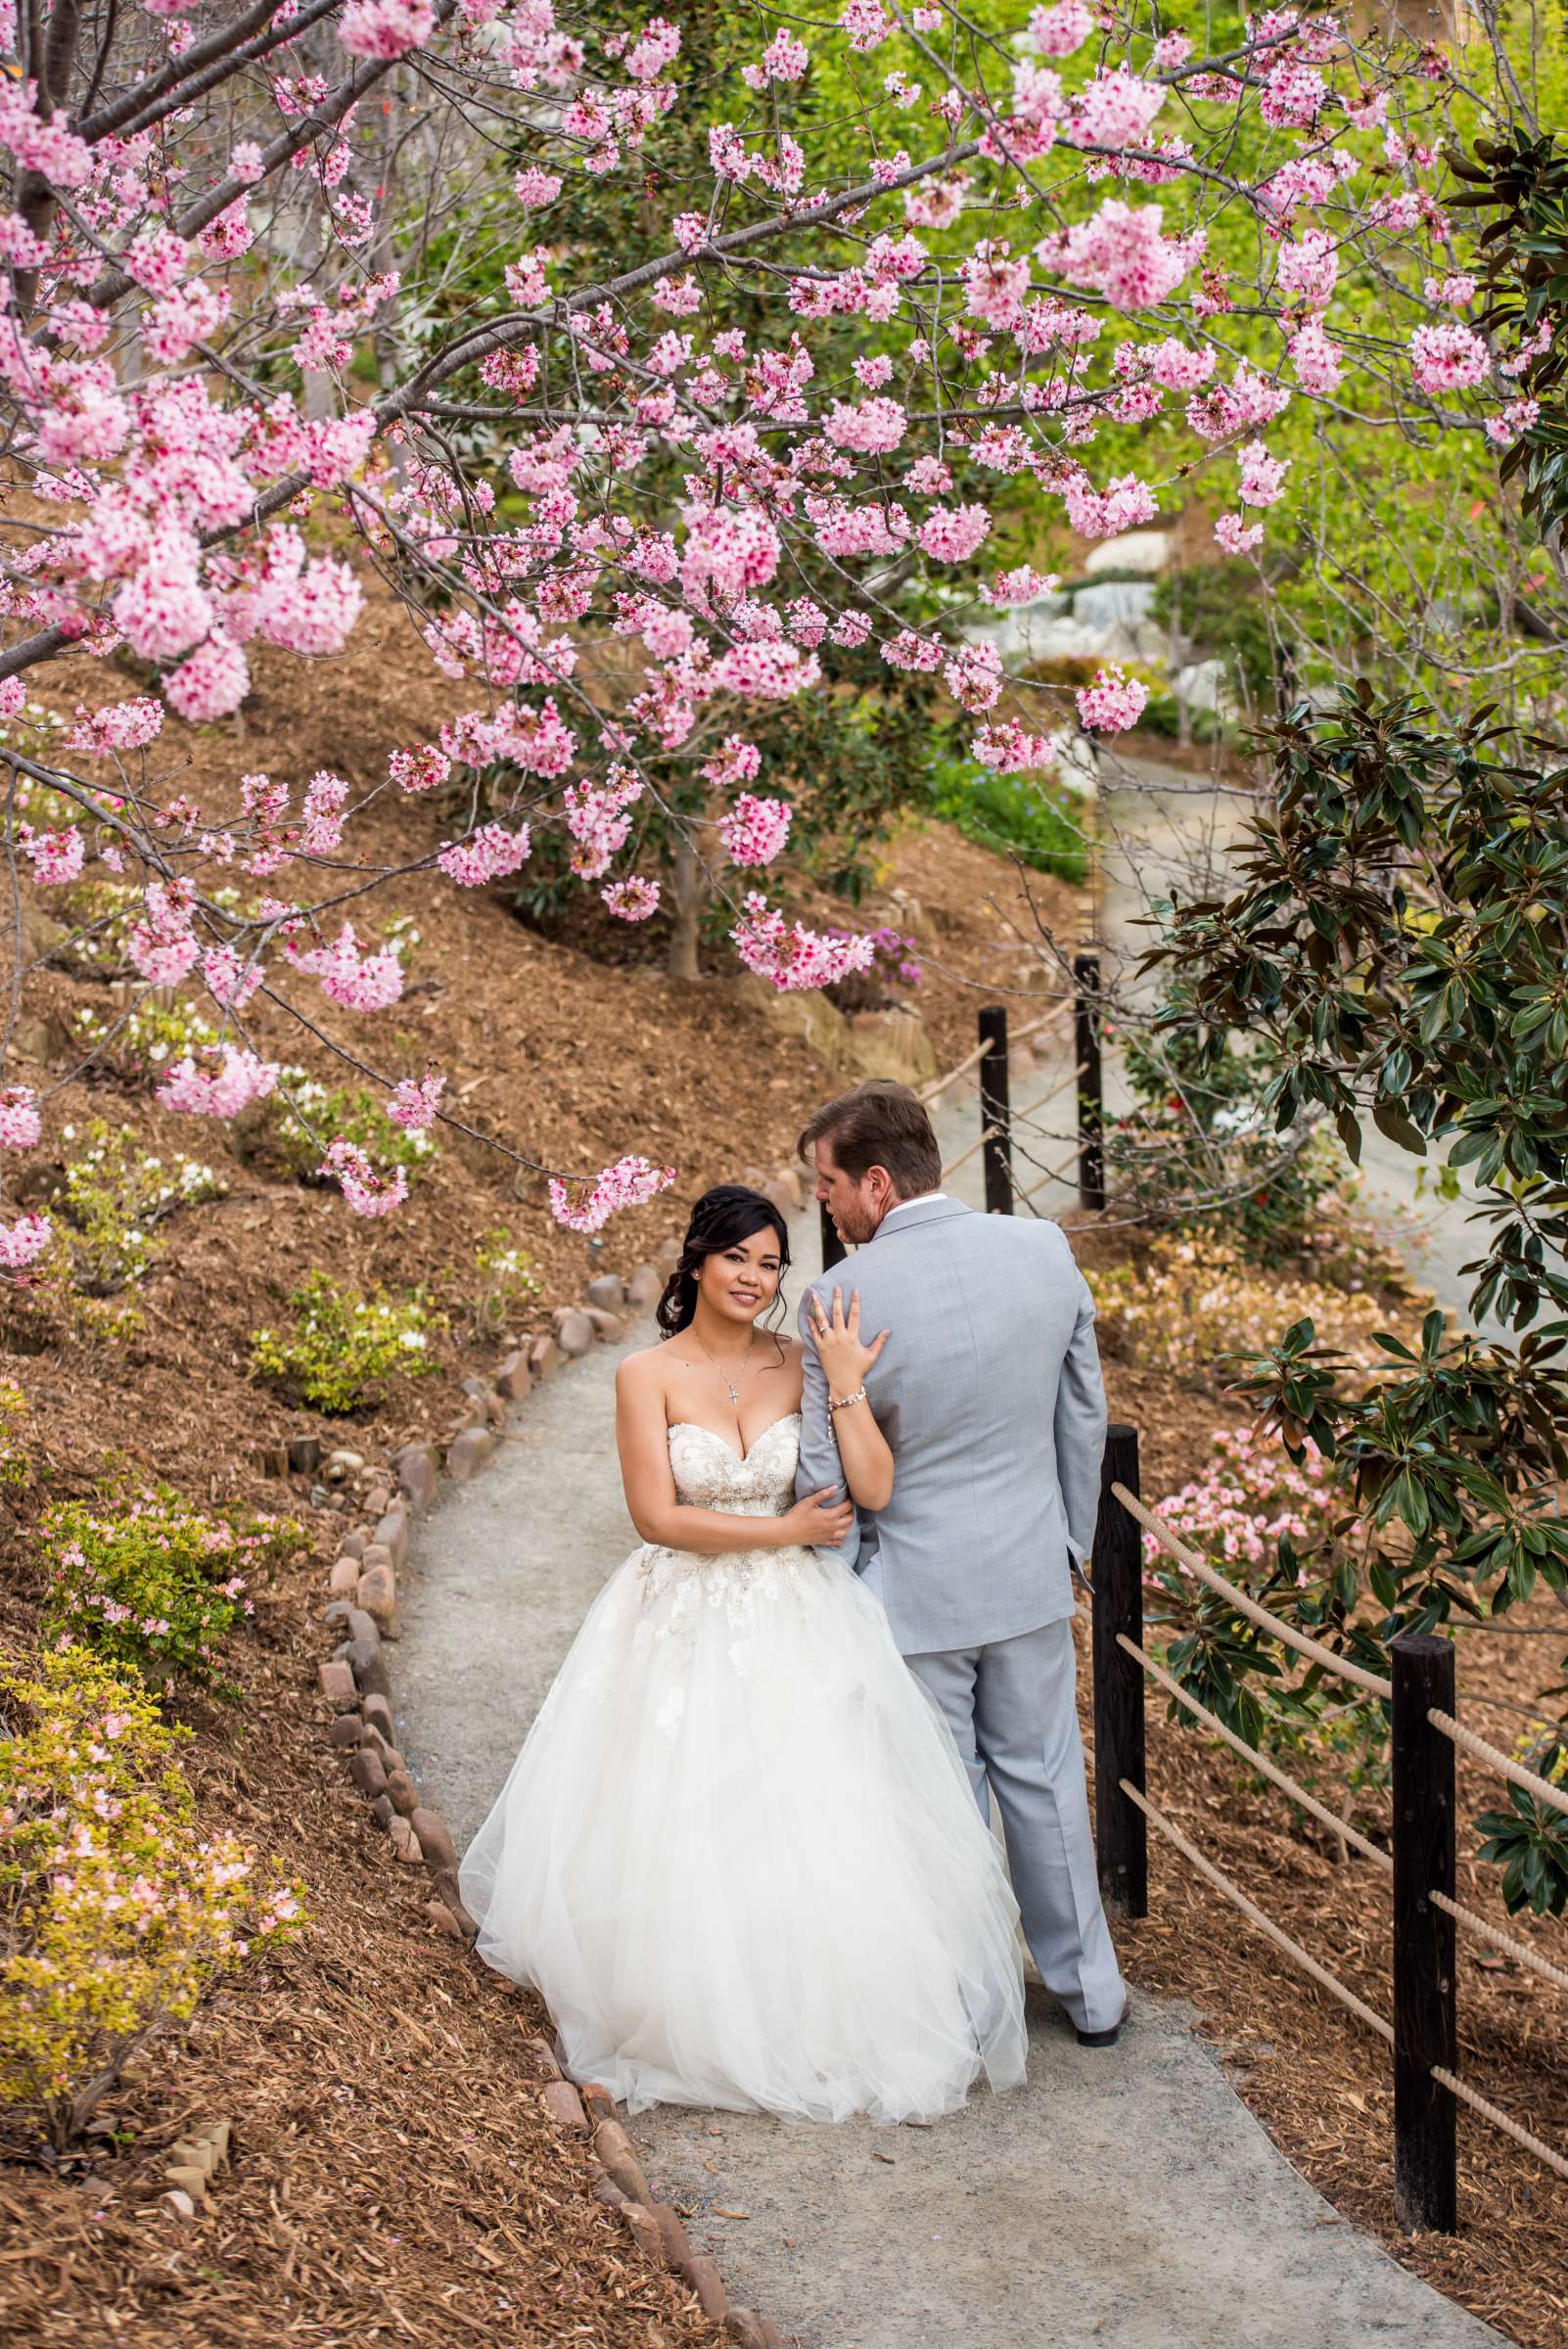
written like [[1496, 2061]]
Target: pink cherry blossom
[[1237, 537], [486, 854], [1113, 703], [1447, 358], [1057, 31], [361, 978], [386, 29], [791, 957], [222, 1091], [55, 856], [21, 1125], [951, 533], [1263, 477], [755, 830], [587, 1206], [23, 1243], [631, 899], [421, 768], [369, 1191], [415, 1102], [211, 683]]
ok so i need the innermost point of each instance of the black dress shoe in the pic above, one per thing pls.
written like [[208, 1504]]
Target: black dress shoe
[[1100, 2038]]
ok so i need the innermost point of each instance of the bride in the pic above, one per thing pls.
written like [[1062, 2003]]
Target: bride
[[738, 1854]]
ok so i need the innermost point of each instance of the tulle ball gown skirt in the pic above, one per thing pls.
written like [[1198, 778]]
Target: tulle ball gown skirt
[[739, 1856]]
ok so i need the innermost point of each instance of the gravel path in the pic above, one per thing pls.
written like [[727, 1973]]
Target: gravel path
[[1124, 2197]]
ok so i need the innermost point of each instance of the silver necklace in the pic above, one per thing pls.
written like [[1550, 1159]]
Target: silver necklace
[[730, 1384]]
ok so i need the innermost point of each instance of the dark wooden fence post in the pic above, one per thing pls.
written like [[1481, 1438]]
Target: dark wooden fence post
[[1090, 1083], [1425, 2023], [1120, 1831], [834, 1250], [995, 1112]]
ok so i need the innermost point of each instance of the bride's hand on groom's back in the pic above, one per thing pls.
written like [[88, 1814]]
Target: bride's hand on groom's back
[[836, 1335]]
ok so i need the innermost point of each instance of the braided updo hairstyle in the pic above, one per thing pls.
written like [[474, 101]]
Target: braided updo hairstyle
[[728, 1213]]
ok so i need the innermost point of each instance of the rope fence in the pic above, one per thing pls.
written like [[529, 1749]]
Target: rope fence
[[1425, 1737]]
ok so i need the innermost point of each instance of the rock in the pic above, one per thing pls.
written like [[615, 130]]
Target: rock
[[673, 2234], [790, 1195], [340, 1465], [343, 1579], [819, 1023], [607, 2190], [891, 1043], [405, 1842], [405, 1798], [513, 1380], [615, 2149], [442, 1917], [378, 1497], [378, 1596], [304, 1454], [369, 1669], [575, 1333], [418, 1471], [644, 2229], [468, 1453], [391, 1536], [355, 1543], [186, 2178], [667, 1256], [706, 2282], [563, 2104], [645, 1288], [544, 2054], [600, 2103], [378, 1712], [608, 1291], [345, 1729], [608, 1326], [545, 1356], [436, 1841], [743, 2325], [472, 1414], [368, 1772], [382, 1811], [487, 1403], [179, 2202], [337, 1684], [443, 1882], [1148, 551]]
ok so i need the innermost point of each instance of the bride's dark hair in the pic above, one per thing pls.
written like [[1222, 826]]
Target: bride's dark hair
[[730, 1213]]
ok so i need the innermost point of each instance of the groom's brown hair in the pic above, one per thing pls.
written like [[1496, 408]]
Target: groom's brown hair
[[879, 1124]]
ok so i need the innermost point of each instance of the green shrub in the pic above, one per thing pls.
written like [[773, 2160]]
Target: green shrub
[[505, 1282], [345, 1349], [113, 1194], [155, 1584], [141, 1045], [1010, 813], [352, 1111], [116, 1911]]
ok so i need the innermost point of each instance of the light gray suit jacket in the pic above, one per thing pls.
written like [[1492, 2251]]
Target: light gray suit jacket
[[989, 1392]]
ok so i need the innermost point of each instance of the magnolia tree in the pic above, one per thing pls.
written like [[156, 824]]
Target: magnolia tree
[[902, 272]]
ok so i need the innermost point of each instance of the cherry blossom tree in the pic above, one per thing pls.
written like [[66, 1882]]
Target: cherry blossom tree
[[310, 284]]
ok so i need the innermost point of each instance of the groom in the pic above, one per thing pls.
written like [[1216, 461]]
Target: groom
[[988, 1394]]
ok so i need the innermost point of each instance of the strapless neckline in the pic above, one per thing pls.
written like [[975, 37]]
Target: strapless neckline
[[740, 1458]]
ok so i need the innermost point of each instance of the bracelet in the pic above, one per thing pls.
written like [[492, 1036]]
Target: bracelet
[[845, 1401]]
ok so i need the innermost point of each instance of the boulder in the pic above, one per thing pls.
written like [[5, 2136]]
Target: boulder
[[606, 1325], [378, 1594], [544, 1356], [513, 1380], [614, 2148], [378, 1499], [382, 1811], [404, 1794], [435, 1839], [468, 1453], [343, 1579], [355, 1542], [702, 2273], [337, 1684], [667, 1256], [405, 1842], [645, 1288], [608, 1291], [643, 2227], [891, 1043], [818, 1024], [442, 1917], [418, 1469], [341, 1465], [391, 1534], [345, 1728], [785, 1191], [367, 1772], [576, 1334], [563, 2105], [673, 2236], [369, 1668], [443, 1883], [1146, 551], [378, 1715]]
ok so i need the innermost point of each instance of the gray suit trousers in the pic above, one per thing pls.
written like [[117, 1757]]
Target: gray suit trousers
[[1010, 1707]]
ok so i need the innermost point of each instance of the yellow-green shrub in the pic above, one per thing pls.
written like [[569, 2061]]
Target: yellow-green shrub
[[116, 1911], [1191, 1302]]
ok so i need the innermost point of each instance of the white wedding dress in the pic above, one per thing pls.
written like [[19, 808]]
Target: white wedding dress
[[738, 1854]]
